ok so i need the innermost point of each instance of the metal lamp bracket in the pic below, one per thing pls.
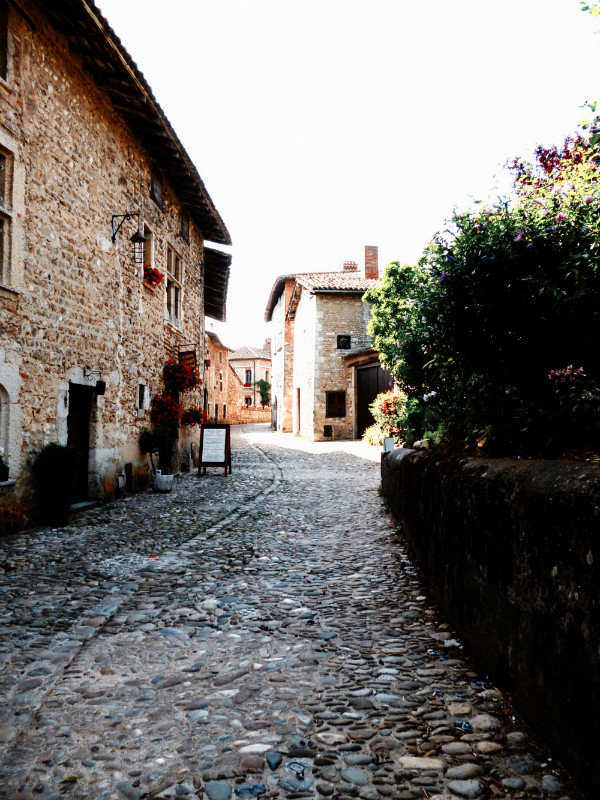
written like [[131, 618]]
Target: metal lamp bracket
[[123, 218]]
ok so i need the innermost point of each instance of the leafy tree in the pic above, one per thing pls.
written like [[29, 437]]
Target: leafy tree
[[264, 388]]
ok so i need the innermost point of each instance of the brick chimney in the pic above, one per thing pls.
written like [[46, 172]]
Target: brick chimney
[[350, 266], [371, 262]]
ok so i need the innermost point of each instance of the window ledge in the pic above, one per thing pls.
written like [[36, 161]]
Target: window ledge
[[7, 484], [151, 286], [8, 291], [174, 327]]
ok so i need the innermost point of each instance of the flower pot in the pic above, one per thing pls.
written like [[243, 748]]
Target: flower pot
[[162, 483]]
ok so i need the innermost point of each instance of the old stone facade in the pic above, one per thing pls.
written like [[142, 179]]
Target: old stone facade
[[252, 364], [218, 395], [318, 320], [83, 334]]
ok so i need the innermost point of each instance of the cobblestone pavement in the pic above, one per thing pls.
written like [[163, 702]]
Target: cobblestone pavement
[[260, 635]]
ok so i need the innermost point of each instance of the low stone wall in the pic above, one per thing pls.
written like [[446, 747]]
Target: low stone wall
[[511, 551], [243, 415]]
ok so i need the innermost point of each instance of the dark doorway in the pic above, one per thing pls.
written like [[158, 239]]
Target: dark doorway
[[370, 381], [274, 414], [81, 399]]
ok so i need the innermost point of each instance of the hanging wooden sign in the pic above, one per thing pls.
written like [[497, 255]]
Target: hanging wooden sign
[[215, 448], [188, 358]]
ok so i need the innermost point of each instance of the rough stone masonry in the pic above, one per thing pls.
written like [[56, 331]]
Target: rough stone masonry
[[261, 635]]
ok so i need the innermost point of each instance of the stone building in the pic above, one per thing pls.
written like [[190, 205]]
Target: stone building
[[84, 329], [325, 371], [252, 364], [222, 387]]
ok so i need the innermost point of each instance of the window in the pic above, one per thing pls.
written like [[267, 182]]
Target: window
[[141, 396], [248, 401], [224, 410], [220, 358], [174, 289], [156, 188], [248, 376], [148, 247], [335, 404], [185, 224], [343, 342], [267, 375], [3, 39], [6, 214], [220, 381]]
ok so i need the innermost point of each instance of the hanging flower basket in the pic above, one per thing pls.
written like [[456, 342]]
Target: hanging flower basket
[[166, 411], [152, 276], [179, 377], [193, 416]]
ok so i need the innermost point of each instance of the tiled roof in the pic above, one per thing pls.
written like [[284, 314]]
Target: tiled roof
[[246, 353], [336, 281], [215, 339], [320, 282]]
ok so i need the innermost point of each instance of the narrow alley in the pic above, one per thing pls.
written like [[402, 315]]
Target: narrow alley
[[259, 635]]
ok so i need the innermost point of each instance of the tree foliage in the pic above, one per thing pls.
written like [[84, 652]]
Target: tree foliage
[[264, 389], [493, 333]]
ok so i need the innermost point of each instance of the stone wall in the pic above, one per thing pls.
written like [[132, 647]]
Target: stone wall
[[244, 415], [304, 366], [510, 550], [73, 306], [282, 360]]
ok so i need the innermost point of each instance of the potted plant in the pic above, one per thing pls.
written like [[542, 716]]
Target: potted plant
[[53, 472], [157, 441]]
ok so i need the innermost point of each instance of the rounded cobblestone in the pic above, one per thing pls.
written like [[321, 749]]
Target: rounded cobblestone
[[263, 634]]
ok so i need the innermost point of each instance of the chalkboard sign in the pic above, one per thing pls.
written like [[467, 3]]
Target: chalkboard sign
[[215, 448]]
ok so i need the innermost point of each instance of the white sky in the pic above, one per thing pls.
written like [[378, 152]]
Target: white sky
[[319, 126]]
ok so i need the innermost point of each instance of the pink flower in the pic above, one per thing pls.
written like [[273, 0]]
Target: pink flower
[[589, 199], [561, 216], [520, 235]]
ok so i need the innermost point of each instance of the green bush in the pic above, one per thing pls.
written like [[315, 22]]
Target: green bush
[[493, 334]]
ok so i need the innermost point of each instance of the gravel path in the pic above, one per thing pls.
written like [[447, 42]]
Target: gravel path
[[259, 635]]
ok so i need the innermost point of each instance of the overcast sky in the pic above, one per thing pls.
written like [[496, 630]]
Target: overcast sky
[[319, 126]]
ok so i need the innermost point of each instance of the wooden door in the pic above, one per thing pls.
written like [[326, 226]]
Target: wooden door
[[370, 381]]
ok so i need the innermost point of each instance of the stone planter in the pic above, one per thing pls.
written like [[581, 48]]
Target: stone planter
[[162, 483]]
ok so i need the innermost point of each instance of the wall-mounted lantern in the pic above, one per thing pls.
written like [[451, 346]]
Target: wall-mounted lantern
[[137, 239]]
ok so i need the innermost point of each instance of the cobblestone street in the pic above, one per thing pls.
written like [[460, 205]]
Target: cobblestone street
[[260, 635]]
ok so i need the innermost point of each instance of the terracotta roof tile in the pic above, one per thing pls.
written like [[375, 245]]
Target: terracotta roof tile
[[342, 281], [245, 353]]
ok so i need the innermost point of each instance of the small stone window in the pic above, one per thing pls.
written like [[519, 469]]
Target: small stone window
[[174, 288], [185, 224], [328, 431], [156, 188], [335, 404], [141, 396], [148, 247], [3, 40], [6, 215], [343, 342]]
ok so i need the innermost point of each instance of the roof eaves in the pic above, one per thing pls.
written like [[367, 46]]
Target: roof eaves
[[104, 56]]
